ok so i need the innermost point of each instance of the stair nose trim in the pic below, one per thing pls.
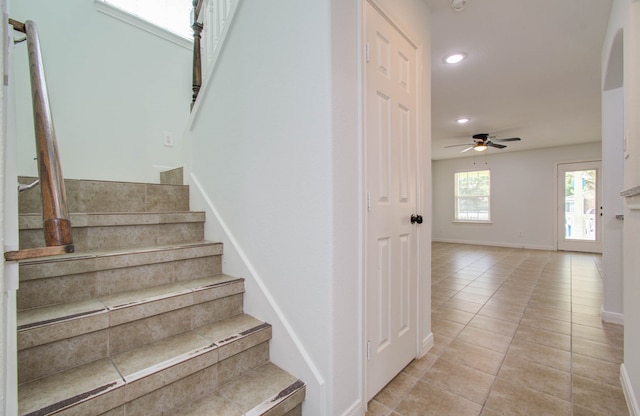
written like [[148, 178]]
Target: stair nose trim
[[59, 319], [71, 401], [296, 388]]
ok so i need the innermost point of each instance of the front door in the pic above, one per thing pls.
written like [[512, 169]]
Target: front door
[[390, 120], [580, 207]]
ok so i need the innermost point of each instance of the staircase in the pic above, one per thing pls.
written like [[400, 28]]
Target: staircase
[[140, 320]]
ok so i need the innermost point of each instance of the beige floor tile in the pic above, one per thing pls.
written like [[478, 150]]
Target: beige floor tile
[[606, 352], [497, 326], [537, 377], [375, 408], [474, 356], [463, 305], [599, 397], [540, 354], [459, 379], [598, 370], [418, 367], [445, 327], [532, 319], [610, 334], [542, 337], [515, 399], [396, 390], [549, 324], [427, 400], [504, 314], [486, 339]]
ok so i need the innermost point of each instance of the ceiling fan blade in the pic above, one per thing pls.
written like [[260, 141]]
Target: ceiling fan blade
[[498, 146], [456, 145], [512, 139], [467, 149]]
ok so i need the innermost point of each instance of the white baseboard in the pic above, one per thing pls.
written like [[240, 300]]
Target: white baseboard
[[611, 317], [493, 244], [629, 395], [355, 410], [427, 343]]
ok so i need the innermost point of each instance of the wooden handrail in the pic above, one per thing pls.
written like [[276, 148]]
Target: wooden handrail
[[55, 215], [197, 26]]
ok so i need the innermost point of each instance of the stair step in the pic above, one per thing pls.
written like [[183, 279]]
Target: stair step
[[145, 376], [107, 196], [57, 338], [84, 275], [265, 390], [102, 231]]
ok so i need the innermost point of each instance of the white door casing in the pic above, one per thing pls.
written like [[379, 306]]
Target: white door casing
[[579, 225], [390, 184]]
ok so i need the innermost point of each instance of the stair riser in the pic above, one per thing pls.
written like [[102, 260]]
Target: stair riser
[[41, 360], [74, 287], [97, 196], [119, 237]]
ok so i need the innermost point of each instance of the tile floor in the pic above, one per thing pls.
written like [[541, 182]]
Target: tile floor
[[517, 332]]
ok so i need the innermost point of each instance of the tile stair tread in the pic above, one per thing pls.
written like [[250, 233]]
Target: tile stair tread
[[107, 219], [48, 315], [255, 393], [70, 388], [127, 252], [140, 362], [105, 375]]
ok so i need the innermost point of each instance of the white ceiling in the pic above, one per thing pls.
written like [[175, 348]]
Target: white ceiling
[[532, 71]]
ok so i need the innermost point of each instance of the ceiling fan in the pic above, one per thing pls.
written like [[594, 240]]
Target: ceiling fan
[[482, 140]]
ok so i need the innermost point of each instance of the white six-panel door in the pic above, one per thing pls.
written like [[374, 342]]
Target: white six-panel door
[[390, 120]]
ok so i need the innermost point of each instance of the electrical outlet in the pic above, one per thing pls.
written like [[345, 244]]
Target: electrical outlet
[[168, 139]]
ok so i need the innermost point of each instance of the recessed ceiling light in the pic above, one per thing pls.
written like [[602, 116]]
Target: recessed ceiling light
[[458, 5], [463, 120], [454, 58]]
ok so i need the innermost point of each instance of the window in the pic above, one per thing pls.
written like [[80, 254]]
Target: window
[[472, 196], [170, 15]]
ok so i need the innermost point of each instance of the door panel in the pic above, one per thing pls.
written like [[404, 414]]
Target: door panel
[[390, 182]]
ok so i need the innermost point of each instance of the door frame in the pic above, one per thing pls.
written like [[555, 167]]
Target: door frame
[[580, 245], [423, 341]]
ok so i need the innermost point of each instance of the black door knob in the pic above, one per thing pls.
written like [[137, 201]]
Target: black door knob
[[416, 219]]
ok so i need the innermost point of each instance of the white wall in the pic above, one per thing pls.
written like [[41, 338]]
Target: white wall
[[625, 16], [276, 162], [261, 157], [114, 91], [523, 194]]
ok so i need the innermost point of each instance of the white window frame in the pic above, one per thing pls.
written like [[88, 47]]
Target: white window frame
[[457, 198], [107, 8]]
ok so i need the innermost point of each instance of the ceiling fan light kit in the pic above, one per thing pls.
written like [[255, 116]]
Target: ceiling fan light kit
[[482, 141]]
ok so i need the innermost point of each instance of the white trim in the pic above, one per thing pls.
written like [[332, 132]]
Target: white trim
[[265, 291], [143, 24], [427, 343], [355, 409], [611, 317], [627, 389], [494, 244]]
